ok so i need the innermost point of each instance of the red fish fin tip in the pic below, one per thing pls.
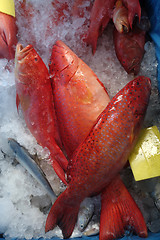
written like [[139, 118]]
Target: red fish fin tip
[[17, 102], [119, 211], [63, 215], [59, 171]]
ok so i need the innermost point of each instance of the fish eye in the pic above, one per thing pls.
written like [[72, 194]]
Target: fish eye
[[36, 59]]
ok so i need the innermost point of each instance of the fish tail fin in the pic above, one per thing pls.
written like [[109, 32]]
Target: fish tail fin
[[119, 212], [63, 213]]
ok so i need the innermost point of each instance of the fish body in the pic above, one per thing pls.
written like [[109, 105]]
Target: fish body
[[103, 153], [79, 96], [34, 93], [8, 33], [24, 158], [129, 48]]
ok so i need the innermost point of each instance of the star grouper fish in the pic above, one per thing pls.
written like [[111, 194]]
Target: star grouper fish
[[103, 154]]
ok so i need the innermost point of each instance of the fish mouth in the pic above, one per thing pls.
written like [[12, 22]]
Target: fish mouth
[[22, 52], [135, 66]]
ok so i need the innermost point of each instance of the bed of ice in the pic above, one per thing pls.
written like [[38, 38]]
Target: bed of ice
[[21, 197]]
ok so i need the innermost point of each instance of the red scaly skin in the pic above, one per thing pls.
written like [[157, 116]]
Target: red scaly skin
[[79, 96], [129, 48], [84, 98], [8, 38], [103, 153], [34, 93]]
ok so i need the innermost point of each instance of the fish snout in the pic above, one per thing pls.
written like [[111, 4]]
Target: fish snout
[[22, 52]]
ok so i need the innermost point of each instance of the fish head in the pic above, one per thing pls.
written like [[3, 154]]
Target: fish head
[[132, 56], [120, 19], [63, 62], [29, 67], [133, 64]]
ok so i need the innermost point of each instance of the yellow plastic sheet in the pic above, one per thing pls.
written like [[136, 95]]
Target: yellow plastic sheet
[[7, 6], [145, 157]]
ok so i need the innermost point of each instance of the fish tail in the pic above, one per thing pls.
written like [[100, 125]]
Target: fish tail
[[119, 212], [63, 213]]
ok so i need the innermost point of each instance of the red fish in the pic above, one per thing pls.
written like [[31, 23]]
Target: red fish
[[78, 94], [84, 98], [103, 153], [34, 93], [129, 48], [101, 14], [8, 33]]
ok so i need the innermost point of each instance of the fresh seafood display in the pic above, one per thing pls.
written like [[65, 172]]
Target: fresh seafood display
[[92, 158], [77, 115], [80, 116]]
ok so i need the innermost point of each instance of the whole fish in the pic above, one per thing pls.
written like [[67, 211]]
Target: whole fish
[[129, 48], [34, 93], [78, 94], [103, 153], [75, 82], [24, 158], [8, 33]]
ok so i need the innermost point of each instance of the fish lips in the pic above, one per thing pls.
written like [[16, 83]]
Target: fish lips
[[22, 52]]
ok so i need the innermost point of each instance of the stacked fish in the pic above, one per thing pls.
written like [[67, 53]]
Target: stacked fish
[[68, 110], [73, 101]]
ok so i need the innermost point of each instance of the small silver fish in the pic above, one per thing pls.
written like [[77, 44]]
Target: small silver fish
[[24, 158], [85, 213], [94, 230]]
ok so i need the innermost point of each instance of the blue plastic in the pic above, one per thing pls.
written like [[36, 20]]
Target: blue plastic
[[151, 236], [153, 9]]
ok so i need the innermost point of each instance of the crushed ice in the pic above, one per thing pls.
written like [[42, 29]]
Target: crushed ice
[[22, 200]]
